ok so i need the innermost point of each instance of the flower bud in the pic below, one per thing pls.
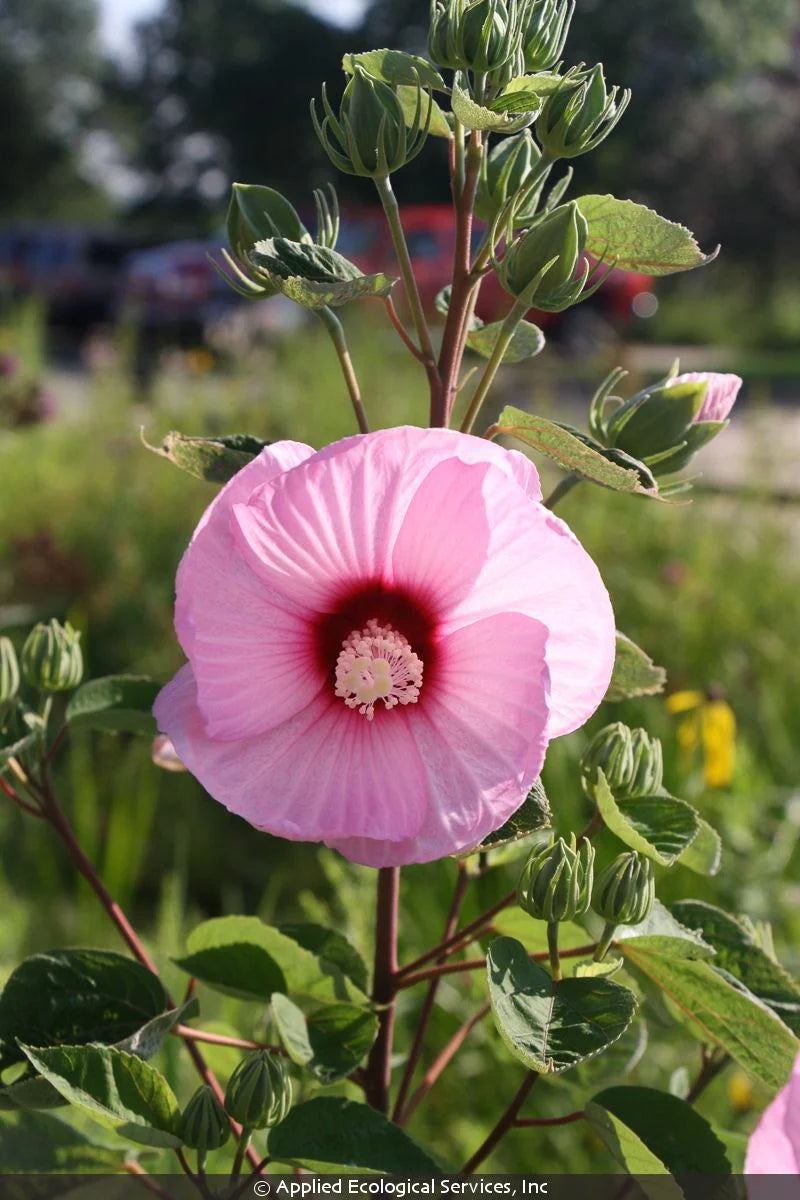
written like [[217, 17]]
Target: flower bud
[[545, 33], [503, 174], [560, 236], [579, 114], [630, 760], [259, 1092], [474, 35], [624, 893], [665, 427], [9, 674], [370, 136], [203, 1123], [556, 882], [51, 657]]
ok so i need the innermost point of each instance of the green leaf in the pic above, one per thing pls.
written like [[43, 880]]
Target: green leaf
[[409, 97], [241, 956], [588, 969], [335, 1132], [542, 84], [33, 1143], [315, 276], [661, 932], [475, 116], [704, 855], [73, 997], [570, 452], [660, 827], [147, 1041], [528, 340], [119, 703], [30, 1092], [532, 815], [214, 459], [22, 740], [119, 1090], [258, 212], [514, 923], [395, 67], [552, 1027], [739, 954], [635, 238], [650, 1132], [634, 674], [333, 947], [720, 1013], [330, 1042]]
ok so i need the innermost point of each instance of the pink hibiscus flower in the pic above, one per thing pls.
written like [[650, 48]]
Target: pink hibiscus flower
[[382, 638], [721, 393], [774, 1147]]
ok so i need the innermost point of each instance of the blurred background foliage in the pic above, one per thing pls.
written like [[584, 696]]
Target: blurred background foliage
[[92, 526]]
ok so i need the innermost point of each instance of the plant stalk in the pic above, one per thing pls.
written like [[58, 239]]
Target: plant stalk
[[336, 332], [384, 989]]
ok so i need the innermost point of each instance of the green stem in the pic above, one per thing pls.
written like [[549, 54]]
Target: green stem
[[606, 939], [390, 207], [458, 160], [336, 332], [507, 331], [552, 947], [561, 489], [241, 1150]]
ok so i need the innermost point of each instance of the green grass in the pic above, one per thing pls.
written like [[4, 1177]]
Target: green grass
[[92, 526]]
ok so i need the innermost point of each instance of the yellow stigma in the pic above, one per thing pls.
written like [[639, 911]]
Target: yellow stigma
[[377, 663]]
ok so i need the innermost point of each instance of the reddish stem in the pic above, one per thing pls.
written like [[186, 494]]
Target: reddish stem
[[384, 989], [219, 1039], [460, 939], [15, 798], [475, 964], [438, 1065], [567, 1119], [506, 1122], [462, 883], [408, 342], [454, 336]]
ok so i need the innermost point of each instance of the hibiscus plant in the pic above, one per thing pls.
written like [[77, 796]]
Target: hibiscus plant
[[382, 636]]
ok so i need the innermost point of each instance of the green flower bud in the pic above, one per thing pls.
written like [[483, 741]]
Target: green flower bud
[[370, 137], [9, 674], [624, 893], [545, 33], [503, 173], [51, 657], [580, 114], [203, 1123], [558, 240], [475, 35], [259, 1092], [556, 882], [630, 759]]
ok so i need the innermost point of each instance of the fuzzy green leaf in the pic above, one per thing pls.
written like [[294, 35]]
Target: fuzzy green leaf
[[571, 452], [333, 1132], [241, 956], [738, 953], [704, 855], [660, 931], [659, 826], [119, 1090], [33, 1143], [409, 97], [635, 238], [330, 1042], [532, 815], [475, 116], [552, 1027], [215, 459], [652, 1133], [73, 997], [116, 703], [331, 946], [528, 340], [720, 1013], [634, 674], [395, 67]]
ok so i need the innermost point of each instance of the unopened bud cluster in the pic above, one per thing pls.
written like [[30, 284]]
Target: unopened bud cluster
[[369, 136], [625, 891], [630, 759], [556, 882], [543, 265], [259, 1093], [51, 657], [580, 114]]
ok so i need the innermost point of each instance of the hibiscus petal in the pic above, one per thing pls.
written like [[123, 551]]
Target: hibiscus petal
[[253, 660], [774, 1146], [325, 772], [721, 393], [482, 739]]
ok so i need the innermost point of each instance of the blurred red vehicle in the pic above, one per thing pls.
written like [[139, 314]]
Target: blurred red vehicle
[[430, 234]]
